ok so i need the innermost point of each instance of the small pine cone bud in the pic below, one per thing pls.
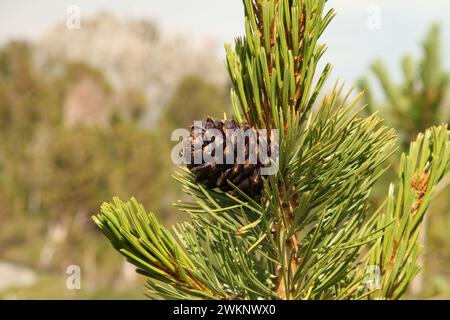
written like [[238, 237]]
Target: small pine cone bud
[[237, 161]]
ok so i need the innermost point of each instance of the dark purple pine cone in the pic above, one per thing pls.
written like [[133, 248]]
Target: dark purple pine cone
[[244, 169]]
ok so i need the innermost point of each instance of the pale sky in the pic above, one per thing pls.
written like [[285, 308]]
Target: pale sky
[[352, 44]]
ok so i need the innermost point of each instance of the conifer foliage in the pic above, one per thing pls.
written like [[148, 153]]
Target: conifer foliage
[[313, 233], [421, 96]]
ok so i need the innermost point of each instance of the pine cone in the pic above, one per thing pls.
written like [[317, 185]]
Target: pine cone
[[245, 174]]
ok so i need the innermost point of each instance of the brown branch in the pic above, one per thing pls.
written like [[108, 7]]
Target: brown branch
[[288, 263]]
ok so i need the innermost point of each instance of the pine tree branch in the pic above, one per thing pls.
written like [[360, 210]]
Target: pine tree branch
[[334, 172], [151, 248], [306, 236], [396, 253]]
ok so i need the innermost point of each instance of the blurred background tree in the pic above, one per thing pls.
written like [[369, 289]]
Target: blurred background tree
[[195, 98], [419, 101], [70, 138]]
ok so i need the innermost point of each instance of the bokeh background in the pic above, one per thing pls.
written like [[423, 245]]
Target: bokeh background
[[91, 90]]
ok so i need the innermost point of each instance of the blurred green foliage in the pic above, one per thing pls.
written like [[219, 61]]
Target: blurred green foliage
[[419, 101], [195, 99], [55, 172]]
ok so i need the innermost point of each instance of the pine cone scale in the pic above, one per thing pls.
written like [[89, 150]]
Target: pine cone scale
[[246, 176]]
